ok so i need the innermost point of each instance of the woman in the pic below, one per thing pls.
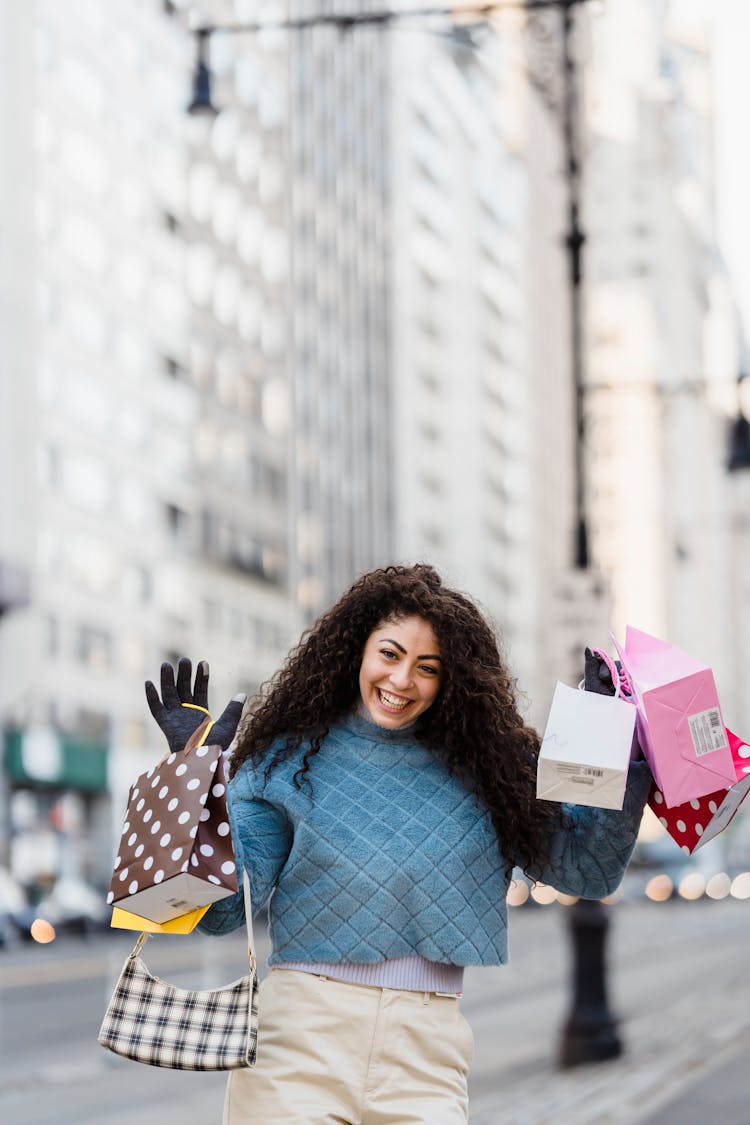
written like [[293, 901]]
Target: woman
[[382, 790]]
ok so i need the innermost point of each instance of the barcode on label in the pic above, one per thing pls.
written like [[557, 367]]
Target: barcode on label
[[589, 771], [707, 732]]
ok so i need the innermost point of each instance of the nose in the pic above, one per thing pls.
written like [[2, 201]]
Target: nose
[[401, 677]]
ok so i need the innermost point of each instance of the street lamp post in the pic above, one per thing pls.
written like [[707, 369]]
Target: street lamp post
[[590, 1030], [574, 242]]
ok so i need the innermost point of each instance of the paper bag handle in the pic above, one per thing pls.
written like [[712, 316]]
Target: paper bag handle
[[197, 738]]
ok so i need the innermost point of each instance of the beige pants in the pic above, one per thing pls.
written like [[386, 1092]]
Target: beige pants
[[334, 1053]]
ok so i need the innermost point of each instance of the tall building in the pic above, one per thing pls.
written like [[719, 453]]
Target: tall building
[[144, 448], [341, 239], [663, 336], [482, 406]]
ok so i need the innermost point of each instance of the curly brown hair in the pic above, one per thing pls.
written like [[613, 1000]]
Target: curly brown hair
[[473, 727]]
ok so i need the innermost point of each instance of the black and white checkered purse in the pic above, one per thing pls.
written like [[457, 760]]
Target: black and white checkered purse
[[153, 1022]]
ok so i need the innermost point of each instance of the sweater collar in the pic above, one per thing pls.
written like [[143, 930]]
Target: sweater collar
[[366, 728]]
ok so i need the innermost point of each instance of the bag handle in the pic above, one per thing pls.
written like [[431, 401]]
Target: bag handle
[[251, 956], [197, 738]]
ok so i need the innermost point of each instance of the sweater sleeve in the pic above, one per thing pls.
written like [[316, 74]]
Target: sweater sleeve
[[262, 839], [588, 856]]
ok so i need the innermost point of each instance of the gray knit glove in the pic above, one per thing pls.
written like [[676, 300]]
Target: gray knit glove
[[181, 709], [598, 678], [596, 675]]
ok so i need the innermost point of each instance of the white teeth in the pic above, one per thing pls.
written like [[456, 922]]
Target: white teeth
[[392, 700]]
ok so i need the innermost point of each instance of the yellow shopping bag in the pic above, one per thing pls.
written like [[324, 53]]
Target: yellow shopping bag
[[185, 924]]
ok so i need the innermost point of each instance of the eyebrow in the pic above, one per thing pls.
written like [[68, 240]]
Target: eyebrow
[[424, 656]]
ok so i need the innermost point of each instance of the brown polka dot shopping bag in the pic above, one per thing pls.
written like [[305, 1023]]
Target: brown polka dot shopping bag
[[175, 853]]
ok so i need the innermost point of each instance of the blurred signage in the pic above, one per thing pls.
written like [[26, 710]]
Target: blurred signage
[[42, 756]]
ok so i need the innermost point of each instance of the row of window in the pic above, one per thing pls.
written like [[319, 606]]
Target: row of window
[[226, 541], [95, 647], [261, 634]]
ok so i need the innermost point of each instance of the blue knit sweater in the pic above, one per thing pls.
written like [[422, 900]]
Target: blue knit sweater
[[392, 857]]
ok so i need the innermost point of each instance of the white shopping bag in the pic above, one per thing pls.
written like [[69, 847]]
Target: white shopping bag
[[585, 753]]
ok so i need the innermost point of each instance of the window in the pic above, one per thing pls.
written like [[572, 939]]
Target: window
[[94, 648], [211, 613], [137, 584], [51, 466], [53, 635], [177, 521], [92, 725], [173, 368]]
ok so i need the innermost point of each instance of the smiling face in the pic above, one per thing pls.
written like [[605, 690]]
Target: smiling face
[[401, 671]]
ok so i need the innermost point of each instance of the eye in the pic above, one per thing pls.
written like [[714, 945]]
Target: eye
[[388, 653], [430, 669]]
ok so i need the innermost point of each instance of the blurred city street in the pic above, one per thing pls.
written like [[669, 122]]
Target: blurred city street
[[678, 973], [294, 290]]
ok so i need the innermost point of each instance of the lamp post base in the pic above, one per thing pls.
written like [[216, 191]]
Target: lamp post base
[[591, 1038], [590, 1032]]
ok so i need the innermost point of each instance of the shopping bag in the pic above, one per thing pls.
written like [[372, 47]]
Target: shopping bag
[[184, 924], [697, 821], [585, 753], [175, 852], [680, 725]]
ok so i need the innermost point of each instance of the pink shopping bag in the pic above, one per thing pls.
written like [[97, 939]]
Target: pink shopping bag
[[691, 825], [680, 726]]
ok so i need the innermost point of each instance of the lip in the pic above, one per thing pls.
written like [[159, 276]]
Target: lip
[[387, 707]]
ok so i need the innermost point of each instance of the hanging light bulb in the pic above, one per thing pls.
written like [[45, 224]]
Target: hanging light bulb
[[739, 442], [200, 102]]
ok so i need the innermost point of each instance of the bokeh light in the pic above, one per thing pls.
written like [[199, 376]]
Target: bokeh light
[[543, 894], [719, 885], [518, 893], [692, 886], [42, 931], [741, 885], [659, 888]]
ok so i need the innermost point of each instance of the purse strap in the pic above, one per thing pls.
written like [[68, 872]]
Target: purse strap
[[144, 936], [249, 923]]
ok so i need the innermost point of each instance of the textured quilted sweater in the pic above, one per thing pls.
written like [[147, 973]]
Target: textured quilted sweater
[[392, 857]]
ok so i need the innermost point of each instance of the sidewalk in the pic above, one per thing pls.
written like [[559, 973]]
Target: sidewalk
[[721, 1096], [679, 988]]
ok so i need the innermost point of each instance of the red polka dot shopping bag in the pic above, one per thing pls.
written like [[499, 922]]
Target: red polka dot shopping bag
[[175, 853], [701, 819]]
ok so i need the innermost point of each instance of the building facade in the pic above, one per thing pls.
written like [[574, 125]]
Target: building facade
[[663, 338], [145, 446], [248, 356]]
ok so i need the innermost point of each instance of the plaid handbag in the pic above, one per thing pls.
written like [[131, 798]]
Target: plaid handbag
[[153, 1022]]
